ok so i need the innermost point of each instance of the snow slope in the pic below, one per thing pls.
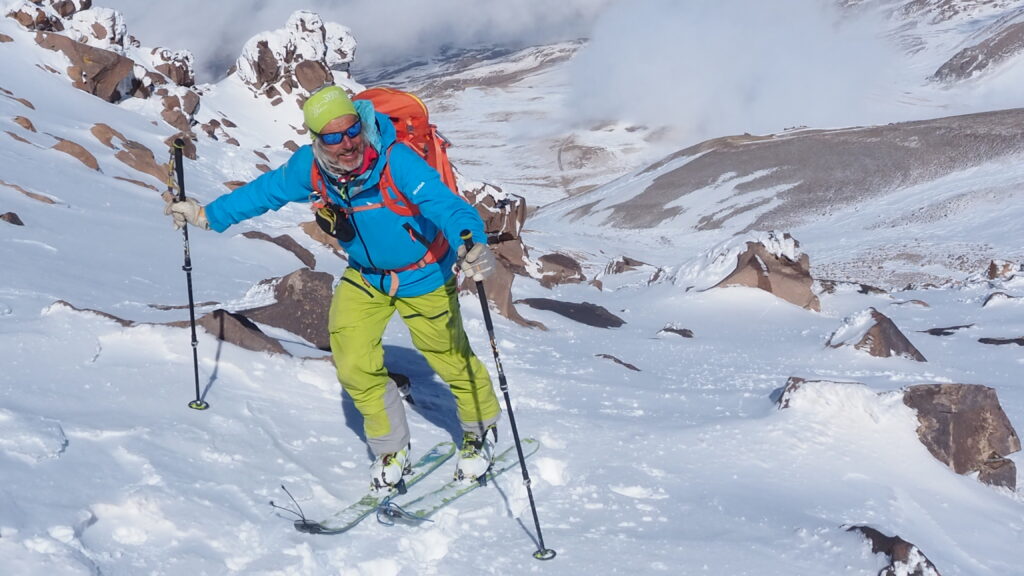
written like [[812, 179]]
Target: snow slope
[[684, 466]]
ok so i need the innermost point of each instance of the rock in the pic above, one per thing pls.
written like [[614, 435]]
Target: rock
[[791, 390], [617, 361], [623, 264], [303, 300], [503, 215], [904, 557], [288, 243], [684, 332], [307, 53], [137, 156], [1000, 46], [946, 331], [94, 70], [964, 426], [77, 152], [313, 230], [782, 272], [234, 184], [1002, 270], [190, 145], [18, 138], [236, 329], [913, 302], [4, 38], [996, 298], [24, 123], [291, 146], [24, 102], [557, 269], [874, 333], [178, 66], [35, 17], [498, 287], [1001, 341], [98, 27], [583, 312], [105, 134], [177, 119], [11, 218], [120, 321], [190, 103], [311, 75], [32, 195], [137, 183]]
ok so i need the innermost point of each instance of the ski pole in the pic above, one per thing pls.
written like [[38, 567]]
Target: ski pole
[[179, 166], [542, 553]]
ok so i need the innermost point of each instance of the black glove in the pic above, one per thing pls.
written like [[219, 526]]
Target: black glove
[[335, 222]]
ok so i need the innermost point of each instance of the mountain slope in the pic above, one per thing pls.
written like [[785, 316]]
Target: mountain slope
[[675, 459]]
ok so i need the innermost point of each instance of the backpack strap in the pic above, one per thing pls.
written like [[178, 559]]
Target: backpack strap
[[391, 195]]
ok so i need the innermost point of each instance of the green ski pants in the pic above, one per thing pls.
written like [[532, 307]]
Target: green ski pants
[[358, 317]]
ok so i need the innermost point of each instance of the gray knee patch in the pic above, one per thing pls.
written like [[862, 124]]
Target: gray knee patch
[[399, 436]]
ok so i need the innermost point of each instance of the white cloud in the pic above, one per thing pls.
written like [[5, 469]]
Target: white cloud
[[385, 31], [714, 68]]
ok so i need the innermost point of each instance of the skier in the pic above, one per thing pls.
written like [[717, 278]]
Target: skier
[[403, 263]]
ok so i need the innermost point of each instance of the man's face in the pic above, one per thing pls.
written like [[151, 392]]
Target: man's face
[[347, 153]]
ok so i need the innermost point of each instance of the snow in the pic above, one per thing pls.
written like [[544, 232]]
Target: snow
[[685, 467]]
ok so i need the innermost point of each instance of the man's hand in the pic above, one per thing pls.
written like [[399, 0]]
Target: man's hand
[[186, 211], [478, 263]]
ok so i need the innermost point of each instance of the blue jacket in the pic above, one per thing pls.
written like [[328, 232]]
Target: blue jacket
[[381, 242]]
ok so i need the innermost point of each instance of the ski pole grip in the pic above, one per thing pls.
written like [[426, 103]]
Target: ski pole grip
[[467, 239], [179, 145]]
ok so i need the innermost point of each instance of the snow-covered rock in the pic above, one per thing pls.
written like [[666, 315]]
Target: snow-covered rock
[[304, 55], [875, 333], [770, 261]]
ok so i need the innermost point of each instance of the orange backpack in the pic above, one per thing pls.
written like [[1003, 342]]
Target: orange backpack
[[412, 127]]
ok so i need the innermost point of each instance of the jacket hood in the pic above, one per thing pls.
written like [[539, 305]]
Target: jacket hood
[[379, 133]]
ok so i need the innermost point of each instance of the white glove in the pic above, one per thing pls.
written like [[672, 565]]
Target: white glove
[[478, 264], [187, 211]]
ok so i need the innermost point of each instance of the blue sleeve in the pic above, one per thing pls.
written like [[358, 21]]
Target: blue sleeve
[[288, 183], [423, 186]]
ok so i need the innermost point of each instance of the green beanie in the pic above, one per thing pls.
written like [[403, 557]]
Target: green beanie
[[325, 105]]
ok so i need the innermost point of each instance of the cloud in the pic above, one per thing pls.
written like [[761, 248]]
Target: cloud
[[712, 68], [389, 31]]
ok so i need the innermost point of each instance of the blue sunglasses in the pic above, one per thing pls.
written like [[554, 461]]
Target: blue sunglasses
[[332, 138]]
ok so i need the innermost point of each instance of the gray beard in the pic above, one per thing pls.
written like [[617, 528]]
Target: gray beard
[[329, 163]]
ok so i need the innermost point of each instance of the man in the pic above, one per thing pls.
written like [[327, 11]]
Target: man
[[398, 261]]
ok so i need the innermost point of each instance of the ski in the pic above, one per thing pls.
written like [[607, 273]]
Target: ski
[[422, 508], [348, 517]]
